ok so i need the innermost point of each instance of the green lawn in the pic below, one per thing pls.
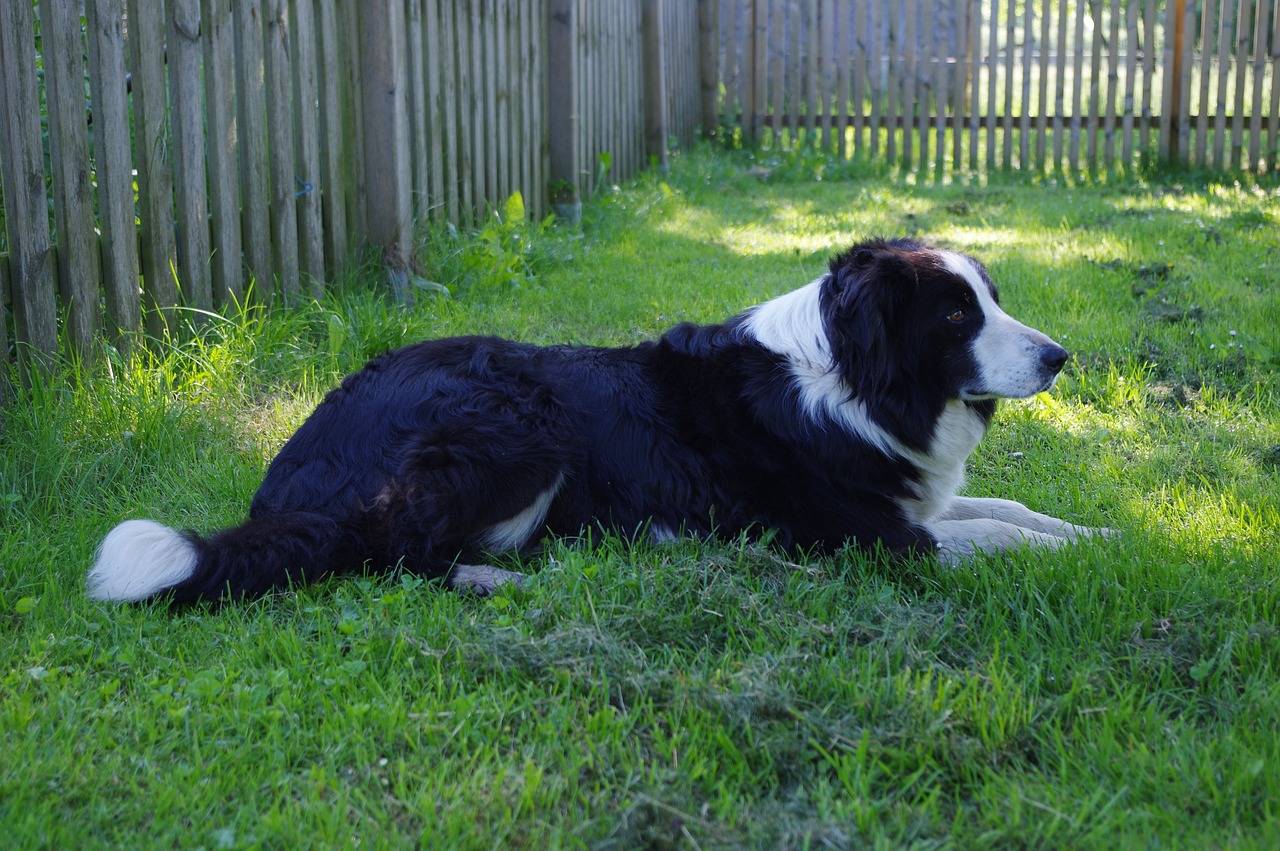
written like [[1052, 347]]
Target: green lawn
[[1124, 693]]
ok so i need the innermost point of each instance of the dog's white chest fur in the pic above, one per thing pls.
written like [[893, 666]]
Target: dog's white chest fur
[[957, 434]]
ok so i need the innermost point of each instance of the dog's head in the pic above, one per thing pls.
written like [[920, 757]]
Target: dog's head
[[903, 317], [893, 333]]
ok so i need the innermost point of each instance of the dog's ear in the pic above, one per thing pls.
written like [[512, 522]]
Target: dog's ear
[[868, 288], [869, 284]]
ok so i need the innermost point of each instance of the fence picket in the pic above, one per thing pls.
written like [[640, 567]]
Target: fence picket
[[416, 50], [251, 137], [105, 25], [30, 268], [910, 100], [1095, 87], [877, 21], [754, 106], [1130, 82], [284, 213], [1220, 102], [1024, 124], [1273, 137], [840, 51], [487, 31], [333, 141], [1113, 83], [1257, 67], [960, 83], [1148, 74], [191, 196], [531, 140], [976, 55], [1010, 50], [224, 194], [1060, 93], [795, 73], [894, 27], [479, 109], [1042, 88], [466, 116], [503, 164], [155, 181], [446, 60], [1077, 90], [306, 140], [989, 119], [1238, 68], [77, 269], [925, 80], [941, 69], [1184, 86]]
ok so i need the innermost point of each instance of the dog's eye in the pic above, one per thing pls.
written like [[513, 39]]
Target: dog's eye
[[955, 316]]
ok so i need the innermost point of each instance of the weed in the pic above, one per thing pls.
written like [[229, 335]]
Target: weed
[[503, 252]]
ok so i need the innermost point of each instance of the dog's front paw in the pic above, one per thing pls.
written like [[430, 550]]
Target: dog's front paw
[[958, 540], [1072, 532], [482, 579]]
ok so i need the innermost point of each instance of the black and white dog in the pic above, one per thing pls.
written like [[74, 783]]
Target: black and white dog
[[840, 413]]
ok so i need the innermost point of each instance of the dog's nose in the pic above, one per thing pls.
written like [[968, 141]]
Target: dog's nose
[[1053, 357]]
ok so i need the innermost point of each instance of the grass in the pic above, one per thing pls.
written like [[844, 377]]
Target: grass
[[1119, 694]]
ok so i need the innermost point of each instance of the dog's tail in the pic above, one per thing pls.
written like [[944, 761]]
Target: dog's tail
[[141, 559]]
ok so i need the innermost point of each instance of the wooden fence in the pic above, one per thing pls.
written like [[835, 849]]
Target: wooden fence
[[966, 85], [194, 146]]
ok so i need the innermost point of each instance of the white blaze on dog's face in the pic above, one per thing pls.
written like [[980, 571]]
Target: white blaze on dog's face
[[1014, 361]]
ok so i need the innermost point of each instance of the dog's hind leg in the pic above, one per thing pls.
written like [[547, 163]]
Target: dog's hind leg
[[1017, 514]]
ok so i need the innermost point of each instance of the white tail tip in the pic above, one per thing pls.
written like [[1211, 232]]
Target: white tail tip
[[140, 558]]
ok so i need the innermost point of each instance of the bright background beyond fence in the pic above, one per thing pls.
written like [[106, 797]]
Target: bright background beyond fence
[[165, 153], [968, 85]]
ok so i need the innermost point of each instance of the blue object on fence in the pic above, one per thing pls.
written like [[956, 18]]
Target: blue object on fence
[[306, 187]]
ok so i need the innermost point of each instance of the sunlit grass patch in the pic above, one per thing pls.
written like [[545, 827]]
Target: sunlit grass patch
[[1117, 693]]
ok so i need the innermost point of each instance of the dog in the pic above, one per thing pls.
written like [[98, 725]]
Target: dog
[[839, 414]]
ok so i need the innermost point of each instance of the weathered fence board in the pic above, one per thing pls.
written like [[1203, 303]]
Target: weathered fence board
[[306, 142], [30, 267], [336, 161], [224, 193], [72, 186], [183, 55], [151, 160], [105, 23], [278, 75], [251, 139]]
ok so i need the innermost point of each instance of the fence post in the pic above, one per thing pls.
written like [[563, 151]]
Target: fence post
[[655, 85], [384, 105], [562, 110], [709, 51], [26, 204]]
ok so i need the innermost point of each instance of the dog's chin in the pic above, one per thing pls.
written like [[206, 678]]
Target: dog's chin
[[980, 394]]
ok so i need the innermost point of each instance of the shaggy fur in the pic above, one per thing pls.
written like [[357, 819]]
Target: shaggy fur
[[840, 413]]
